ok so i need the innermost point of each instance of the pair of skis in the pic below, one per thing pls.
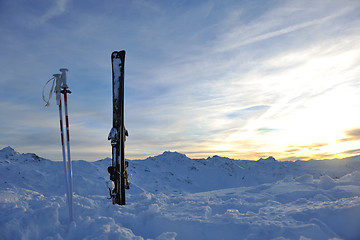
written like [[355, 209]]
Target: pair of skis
[[118, 133]]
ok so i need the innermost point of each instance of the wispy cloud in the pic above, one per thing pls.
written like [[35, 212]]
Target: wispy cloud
[[57, 9], [353, 135], [278, 21], [352, 151]]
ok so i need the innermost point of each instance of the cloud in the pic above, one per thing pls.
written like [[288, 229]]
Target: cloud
[[268, 35], [293, 159], [291, 150], [313, 146], [316, 145], [31, 16], [248, 112], [353, 135], [278, 21], [312, 151], [266, 130], [58, 8], [352, 151]]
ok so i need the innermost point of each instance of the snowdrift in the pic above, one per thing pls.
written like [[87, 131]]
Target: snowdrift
[[175, 197]]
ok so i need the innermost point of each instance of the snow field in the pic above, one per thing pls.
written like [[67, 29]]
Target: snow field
[[174, 197]]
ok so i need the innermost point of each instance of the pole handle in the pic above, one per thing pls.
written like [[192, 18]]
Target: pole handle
[[63, 77]]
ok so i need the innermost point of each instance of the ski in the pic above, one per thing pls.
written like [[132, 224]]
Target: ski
[[118, 133]]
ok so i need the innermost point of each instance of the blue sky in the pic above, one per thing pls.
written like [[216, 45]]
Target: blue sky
[[243, 79]]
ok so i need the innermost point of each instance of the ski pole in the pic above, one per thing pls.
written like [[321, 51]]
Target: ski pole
[[60, 80], [65, 91], [58, 102]]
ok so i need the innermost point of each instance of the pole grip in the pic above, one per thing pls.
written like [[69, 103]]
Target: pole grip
[[63, 78]]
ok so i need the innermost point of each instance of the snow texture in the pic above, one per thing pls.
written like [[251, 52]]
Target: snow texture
[[175, 197], [117, 74]]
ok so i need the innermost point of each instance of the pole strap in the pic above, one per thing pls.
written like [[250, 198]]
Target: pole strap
[[50, 93]]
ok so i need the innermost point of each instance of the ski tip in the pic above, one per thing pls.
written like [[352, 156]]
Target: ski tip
[[118, 54]]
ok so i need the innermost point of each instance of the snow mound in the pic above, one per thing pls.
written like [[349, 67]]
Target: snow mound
[[175, 197]]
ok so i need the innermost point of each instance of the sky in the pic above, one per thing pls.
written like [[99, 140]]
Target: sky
[[242, 79]]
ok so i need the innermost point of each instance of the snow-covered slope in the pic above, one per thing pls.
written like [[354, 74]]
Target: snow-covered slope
[[174, 197]]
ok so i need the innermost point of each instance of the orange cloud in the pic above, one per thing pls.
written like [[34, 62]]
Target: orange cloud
[[352, 151]]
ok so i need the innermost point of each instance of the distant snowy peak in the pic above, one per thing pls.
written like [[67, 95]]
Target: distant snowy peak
[[10, 154], [267, 160], [219, 158], [169, 156]]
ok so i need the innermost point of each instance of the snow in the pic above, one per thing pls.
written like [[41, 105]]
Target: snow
[[175, 197], [117, 74]]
